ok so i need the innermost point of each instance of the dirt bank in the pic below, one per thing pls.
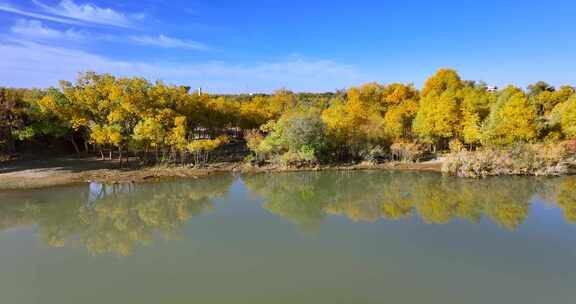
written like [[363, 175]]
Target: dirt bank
[[432, 166], [26, 174]]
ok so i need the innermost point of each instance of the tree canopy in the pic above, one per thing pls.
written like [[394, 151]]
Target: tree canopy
[[157, 122]]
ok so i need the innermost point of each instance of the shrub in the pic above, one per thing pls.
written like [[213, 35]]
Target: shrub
[[303, 130], [374, 154], [544, 160], [456, 145], [254, 139], [306, 156], [296, 139], [407, 151], [570, 146]]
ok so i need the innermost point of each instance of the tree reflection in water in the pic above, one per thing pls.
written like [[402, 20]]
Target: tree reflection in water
[[113, 219], [567, 199], [306, 198]]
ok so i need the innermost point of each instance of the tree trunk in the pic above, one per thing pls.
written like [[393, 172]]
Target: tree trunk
[[73, 141]]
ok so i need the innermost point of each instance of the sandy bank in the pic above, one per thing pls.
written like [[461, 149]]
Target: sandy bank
[[26, 174]]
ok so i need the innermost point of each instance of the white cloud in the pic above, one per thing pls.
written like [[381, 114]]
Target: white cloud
[[36, 65], [89, 13], [168, 42], [13, 10], [37, 30]]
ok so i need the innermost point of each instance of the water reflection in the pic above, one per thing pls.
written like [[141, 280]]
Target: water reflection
[[567, 199], [307, 199], [113, 219]]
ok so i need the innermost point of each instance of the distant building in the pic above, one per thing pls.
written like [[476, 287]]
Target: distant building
[[492, 88]]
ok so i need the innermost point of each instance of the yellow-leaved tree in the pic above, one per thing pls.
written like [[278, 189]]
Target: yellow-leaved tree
[[439, 116], [201, 149], [178, 138], [568, 120], [475, 108], [149, 134], [402, 105], [350, 123], [512, 119], [106, 135]]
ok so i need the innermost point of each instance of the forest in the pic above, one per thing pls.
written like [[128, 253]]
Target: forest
[[483, 130]]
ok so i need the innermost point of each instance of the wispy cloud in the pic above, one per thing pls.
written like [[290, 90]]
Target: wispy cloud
[[35, 29], [83, 14], [37, 65], [13, 10], [168, 42], [89, 13]]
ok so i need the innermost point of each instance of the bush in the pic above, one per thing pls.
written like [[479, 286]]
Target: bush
[[301, 130], [374, 154], [253, 140], [542, 160], [306, 156], [407, 151], [456, 145], [570, 147], [296, 139]]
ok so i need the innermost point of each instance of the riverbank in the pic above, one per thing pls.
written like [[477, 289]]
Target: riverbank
[[28, 174]]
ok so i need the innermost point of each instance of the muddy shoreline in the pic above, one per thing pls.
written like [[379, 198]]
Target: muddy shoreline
[[29, 174]]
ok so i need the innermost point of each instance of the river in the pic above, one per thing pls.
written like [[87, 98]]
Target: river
[[306, 237]]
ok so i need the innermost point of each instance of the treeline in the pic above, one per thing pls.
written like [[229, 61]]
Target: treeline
[[119, 117]]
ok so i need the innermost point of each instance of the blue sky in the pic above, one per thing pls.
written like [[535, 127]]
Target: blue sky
[[259, 46]]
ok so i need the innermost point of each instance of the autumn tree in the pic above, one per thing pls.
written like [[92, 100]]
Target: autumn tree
[[12, 117], [372, 122], [475, 108], [439, 117], [282, 101], [358, 121], [178, 138], [512, 119], [254, 113], [568, 118], [149, 134], [401, 106], [203, 148]]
